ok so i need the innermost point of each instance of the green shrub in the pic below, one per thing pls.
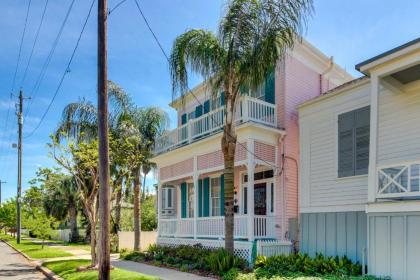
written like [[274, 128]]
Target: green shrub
[[221, 261], [302, 264], [232, 274]]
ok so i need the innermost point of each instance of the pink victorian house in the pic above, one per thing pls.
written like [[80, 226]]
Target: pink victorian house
[[190, 161]]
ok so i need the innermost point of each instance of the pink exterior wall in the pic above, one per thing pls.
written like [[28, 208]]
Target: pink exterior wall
[[215, 159], [265, 152], [295, 84], [181, 168]]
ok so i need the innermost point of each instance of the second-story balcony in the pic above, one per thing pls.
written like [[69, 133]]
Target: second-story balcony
[[399, 181], [248, 109]]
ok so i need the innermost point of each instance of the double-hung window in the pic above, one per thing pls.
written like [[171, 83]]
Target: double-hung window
[[168, 197], [353, 142], [215, 196]]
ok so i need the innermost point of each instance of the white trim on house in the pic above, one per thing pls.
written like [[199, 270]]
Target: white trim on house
[[334, 208]]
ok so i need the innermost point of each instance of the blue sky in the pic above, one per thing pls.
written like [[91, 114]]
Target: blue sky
[[351, 31]]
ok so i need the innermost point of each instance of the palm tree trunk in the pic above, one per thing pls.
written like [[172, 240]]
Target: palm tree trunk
[[143, 192], [74, 233], [228, 149], [137, 210], [117, 222]]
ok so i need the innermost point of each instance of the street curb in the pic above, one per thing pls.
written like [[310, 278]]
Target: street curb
[[48, 273]]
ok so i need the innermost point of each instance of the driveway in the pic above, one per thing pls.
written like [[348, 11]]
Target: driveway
[[15, 267]]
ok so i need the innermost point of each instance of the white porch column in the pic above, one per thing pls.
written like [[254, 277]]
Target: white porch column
[[250, 189], [373, 145], [195, 181], [159, 204]]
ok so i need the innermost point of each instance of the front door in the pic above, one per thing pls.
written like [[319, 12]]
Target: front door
[[260, 199]]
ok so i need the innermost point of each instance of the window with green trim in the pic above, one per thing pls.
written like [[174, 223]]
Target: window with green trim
[[215, 196]]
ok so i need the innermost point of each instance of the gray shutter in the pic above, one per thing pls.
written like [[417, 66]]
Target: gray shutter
[[346, 144], [362, 129]]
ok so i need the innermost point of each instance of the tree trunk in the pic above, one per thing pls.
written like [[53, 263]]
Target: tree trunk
[[137, 210], [92, 238], [117, 222], [228, 149], [74, 232]]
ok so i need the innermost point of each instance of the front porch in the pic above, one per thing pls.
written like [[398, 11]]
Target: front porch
[[214, 227], [196, 211]]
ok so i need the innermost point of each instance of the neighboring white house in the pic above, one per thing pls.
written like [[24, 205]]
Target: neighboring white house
[[360, 167], [190, 161]]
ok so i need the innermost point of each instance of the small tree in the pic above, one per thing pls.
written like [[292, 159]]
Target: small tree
[[8, 215], [39, 224]]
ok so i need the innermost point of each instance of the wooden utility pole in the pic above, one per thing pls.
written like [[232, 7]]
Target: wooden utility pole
[[19, 186], [104, 191], [1, 182]]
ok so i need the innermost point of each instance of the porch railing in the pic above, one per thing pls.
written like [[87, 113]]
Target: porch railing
[[248, 109], [399, 180], [214, 227]]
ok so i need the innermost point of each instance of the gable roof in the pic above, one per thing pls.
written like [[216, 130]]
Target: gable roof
[[394, 50]]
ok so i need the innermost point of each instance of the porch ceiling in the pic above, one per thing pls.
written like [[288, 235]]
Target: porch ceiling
[[408, 75]]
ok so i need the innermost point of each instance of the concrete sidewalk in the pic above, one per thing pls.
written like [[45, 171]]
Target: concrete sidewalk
[[162, 273], [15, 267]]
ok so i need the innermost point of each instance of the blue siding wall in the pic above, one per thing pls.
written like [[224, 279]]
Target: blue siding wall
[[332, 234]]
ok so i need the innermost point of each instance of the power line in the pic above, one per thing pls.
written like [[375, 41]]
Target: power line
[[41, 75], [116, 6], [20, 46], [66, 71], [189, 90], [35, 41], [17, 66]]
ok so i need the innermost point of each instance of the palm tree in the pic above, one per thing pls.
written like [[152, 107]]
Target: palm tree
[[79, 124], [149, 123], [252, 36]]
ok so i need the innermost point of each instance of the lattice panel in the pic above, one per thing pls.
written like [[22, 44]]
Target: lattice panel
[[243, 249]]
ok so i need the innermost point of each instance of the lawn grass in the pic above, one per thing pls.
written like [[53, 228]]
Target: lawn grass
[[35, 250], [67, 270]]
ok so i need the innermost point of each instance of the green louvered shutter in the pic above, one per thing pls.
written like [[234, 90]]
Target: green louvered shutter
[[183, 119], [200, 198], [183, 200], [222, 98], [222, 195], [206, 197], [198, 111], [270, 87], [206, 106]]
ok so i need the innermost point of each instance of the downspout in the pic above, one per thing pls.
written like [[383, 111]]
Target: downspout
[[321, 76]]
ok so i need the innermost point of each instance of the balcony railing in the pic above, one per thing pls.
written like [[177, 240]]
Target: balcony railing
[[399, 181], [248, 109], [214, 227]]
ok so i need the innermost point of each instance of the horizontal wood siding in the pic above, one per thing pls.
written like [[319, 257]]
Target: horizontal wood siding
[[320, 185], [398, 127], [334, 234]]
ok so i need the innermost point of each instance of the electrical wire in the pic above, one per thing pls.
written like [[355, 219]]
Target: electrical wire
[[66, 71], [35, 41], [189, 90], [116, 6], [41, 75], [16, 68]]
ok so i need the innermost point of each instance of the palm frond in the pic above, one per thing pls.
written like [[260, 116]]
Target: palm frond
[[198, 50]]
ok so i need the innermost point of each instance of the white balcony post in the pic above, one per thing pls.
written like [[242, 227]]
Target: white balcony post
[[159, 205], [195, 179], [373, 175], [189, 130], [250, 187], [245, 115]]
